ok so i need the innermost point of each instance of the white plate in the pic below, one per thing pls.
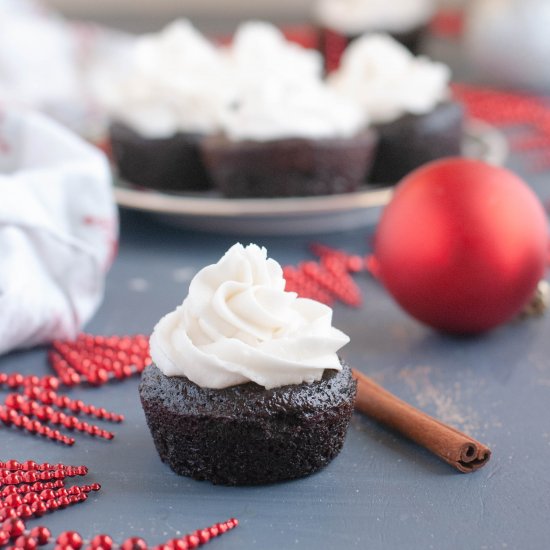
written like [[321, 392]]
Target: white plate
[[290, 216]]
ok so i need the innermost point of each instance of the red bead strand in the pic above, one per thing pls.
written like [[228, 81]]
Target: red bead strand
[[16, 380], [25, 488], [66, 373], [11, 477], [509, 109], [195, 539], [10, 417], [14, 529], [38, 397], [30, 465], [76, 406], [297, 281], [99, 359], [327, 279], [47, 414], [20, 499]]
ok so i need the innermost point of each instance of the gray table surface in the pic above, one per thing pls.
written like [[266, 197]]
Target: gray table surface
[[382, 492]]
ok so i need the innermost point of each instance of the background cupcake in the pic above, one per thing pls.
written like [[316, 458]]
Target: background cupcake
[[408, 101], [286, 133], [170, 96], [342, 21]]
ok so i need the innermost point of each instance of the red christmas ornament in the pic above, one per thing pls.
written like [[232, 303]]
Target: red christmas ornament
[[462, 245]]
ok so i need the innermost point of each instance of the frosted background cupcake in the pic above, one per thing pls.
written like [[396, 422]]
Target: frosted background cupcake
[[286, 133], [342, 21], [408, 101], [167, 100]]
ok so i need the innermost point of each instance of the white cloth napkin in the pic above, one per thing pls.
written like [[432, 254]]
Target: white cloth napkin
[[58, 230]]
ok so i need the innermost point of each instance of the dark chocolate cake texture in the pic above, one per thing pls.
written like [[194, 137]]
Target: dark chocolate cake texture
[[170, 163], [289, 167], [245, 434]]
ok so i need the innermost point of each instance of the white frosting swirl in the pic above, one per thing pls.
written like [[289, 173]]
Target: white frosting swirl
[[387, 80], [239, 325], [279, 92], [358, 16], [260, 51], [175, 83], [273, 110], [261, 87]]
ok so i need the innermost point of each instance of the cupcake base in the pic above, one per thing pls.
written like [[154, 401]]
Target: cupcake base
[[289, 167], [414, 140], [167, 164], [247, 435]]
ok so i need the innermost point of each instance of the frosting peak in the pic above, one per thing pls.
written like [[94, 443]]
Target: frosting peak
[[259, 50], [238, 325], [387, 80], [174, 83], [273, 110]]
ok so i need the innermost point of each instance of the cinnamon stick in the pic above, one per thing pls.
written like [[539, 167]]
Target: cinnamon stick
[[454, 447]]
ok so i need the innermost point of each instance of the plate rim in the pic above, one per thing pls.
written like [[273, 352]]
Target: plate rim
[[158, 202]]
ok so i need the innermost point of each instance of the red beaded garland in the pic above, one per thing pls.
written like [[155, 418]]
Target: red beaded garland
[[327, 279], [20, 499], [38, 399], [41, 534], [46, 413], [101, 542], [66, 374], [75, 406], [505, 108], [14, 527], [99, 359], [197, 538], [11, 417], [26, 542], [16, 380], [70, 538], [134, 543]]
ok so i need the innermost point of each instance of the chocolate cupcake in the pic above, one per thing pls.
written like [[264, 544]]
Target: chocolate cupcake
[[290, 141], [343, 21], [168, 99], [413, 140], [171, 163], [407, 100], [289, 167], [245, 434], [246, 387], [285, 134]]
